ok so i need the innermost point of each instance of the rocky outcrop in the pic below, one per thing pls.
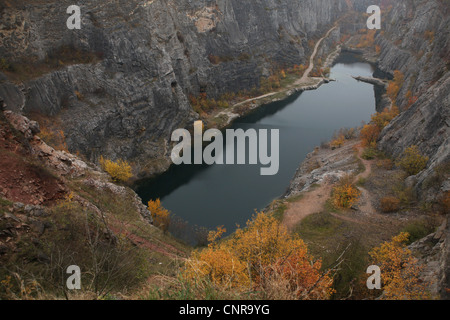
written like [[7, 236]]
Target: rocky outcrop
[[324, 165], [434, 254], [415, 41], [65, 164], [149, 57]]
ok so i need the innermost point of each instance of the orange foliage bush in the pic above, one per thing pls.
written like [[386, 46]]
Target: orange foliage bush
[[54, 138], [399, 270], [370, 132], [338, 142], [369, 135], [382, 119], [345, 194], [395, 85], [261, 257], [160, 215], [119, 170], [389, 204], [367, 39]]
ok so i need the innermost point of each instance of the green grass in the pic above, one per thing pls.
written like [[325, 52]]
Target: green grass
[[419, 229], [279, 207], [324, 235], [295, 198], [318, 226]]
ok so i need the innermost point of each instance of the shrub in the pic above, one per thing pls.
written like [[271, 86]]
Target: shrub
[[244, 56], [119, 170], [369, 135], [400, 270], [395, 85], [369, 153], [4, 65], [345, 194], [160, 215], [214, 59], [412, 161], [367, 39], [418, 229], [79, 95], [54, 138], [389, 204], [444, 202], [338, 142], [382, 119], [386, 164], [263, 258]]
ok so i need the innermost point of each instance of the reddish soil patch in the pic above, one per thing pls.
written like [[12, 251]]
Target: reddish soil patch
[[168, 250], [23, 179]]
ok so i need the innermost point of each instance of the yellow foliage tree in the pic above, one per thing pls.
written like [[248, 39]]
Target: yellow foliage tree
[[399, 270], [395, 85], [382, 119], [160, 215], [119, 170], [338, 142], [260, 257], [369, 135], [370, 132], [345, 194]]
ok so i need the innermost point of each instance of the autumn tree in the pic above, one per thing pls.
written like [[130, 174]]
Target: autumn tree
[[370, 132], [400, 270], [369, 135], [382, 119], [345, 194], [395, 85], [262, 257], [119, 170], [160, 215], [338, 141]]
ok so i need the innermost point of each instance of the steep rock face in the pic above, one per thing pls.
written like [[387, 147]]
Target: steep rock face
[[154, 54], [416, 41]]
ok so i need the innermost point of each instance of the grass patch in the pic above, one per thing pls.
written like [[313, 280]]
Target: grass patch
[[277, 208], [361, 182], [295, 198], [324, 235], [369, 153], [419, 229], [318, 227]]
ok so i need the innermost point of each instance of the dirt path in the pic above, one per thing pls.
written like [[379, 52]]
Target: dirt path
[[314, 201], [303, 81], [365, 200], [305, 76]]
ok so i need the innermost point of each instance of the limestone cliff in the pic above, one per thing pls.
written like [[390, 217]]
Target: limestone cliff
[[147, 58], [415, 40]]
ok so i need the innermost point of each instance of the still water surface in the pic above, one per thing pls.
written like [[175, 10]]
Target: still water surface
[[227, 195]]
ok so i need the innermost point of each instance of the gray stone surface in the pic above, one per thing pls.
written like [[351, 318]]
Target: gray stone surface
[[155, 54]]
